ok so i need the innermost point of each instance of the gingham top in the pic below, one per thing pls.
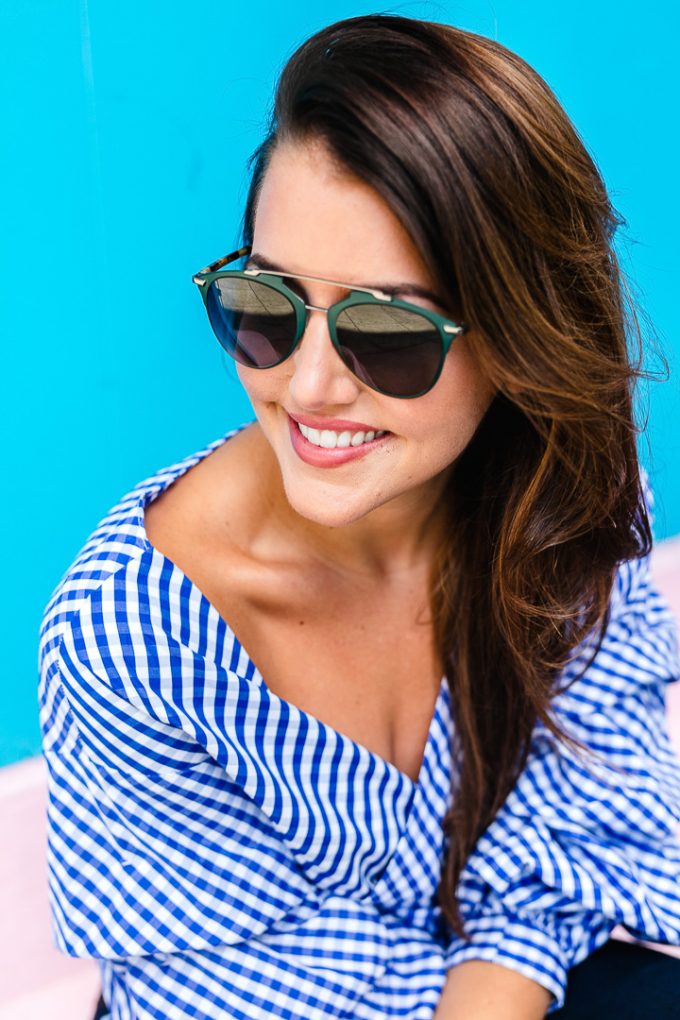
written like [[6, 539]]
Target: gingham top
[[222, 853]]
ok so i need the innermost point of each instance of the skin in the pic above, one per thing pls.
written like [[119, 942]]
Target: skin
[[377, 515], [480, 990], [375, 519]]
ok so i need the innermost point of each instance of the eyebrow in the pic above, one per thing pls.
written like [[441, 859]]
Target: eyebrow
[[259, 261]]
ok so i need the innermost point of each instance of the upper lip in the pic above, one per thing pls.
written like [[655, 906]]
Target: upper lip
[[314, 422]]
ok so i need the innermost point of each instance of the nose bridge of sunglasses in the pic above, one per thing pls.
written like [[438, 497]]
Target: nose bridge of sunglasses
[[317, 337], [316, 366], [318, 297], [314, 312]]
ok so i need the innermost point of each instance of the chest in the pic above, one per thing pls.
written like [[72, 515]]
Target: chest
[[366, 668], [359, 659]]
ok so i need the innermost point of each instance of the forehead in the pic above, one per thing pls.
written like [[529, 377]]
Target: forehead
[[311, 218]]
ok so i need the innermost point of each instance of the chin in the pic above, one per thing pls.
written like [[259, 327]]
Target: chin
[[329, 510]]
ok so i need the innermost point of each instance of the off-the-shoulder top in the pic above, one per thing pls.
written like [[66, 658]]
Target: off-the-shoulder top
[[221, 852]]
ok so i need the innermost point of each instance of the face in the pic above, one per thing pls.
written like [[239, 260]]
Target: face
[[313, 219]]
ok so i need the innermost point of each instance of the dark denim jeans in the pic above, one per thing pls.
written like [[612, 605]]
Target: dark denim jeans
[[619, 981], [623, 981]]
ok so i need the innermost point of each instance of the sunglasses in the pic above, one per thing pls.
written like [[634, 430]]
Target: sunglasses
[[395, 347]]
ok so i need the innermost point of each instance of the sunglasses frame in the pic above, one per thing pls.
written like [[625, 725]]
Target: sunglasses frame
[[448, 329]]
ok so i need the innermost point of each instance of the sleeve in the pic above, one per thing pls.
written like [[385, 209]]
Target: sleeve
[[583, 845], [160, 866]]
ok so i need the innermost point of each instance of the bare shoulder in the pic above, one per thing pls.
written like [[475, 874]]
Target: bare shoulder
[[211, 498], [203, 520]]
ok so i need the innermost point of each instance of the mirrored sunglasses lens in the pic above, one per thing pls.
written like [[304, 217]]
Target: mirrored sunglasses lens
[[254, 323], [394, 350]]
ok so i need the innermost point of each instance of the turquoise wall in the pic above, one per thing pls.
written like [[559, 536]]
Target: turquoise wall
[[125, 131]]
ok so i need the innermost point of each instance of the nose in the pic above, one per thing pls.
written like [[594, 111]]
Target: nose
[[320, 378]]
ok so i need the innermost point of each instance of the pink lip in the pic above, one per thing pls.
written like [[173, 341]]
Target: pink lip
[[336, 424], [317, 456]]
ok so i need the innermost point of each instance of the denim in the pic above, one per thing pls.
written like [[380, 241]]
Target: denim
[[622, 981]]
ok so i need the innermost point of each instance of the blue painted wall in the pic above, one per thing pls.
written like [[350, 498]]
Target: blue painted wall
[[124, 143]]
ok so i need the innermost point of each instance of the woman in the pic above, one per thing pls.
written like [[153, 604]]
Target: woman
[[432, 772]]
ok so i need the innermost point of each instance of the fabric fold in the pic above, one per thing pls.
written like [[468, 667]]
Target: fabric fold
[[585, 842], [221, 852]]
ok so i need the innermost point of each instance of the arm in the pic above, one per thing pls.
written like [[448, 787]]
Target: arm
[[478, 990], [584, 843], [167, 863]]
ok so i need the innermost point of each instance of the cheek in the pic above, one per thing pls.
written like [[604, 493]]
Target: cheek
[[450, 414], [469, 389], [261, 384]]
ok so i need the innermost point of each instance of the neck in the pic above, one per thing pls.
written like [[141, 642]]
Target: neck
[[394, 542]]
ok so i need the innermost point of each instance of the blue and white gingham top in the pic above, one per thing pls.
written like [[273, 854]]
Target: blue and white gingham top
[[222, 853]]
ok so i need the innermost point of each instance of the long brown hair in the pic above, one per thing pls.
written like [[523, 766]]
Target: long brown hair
[[474, 154]]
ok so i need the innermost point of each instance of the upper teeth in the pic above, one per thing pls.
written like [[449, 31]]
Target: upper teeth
[[329, 439]]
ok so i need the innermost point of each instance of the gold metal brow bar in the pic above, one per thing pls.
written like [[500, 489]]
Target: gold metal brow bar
[[252, 271], [321, 279]]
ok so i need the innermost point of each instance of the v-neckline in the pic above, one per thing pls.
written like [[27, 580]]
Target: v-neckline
[[147, 496]]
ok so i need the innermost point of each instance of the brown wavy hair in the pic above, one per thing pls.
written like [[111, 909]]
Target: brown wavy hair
[[472, 151]]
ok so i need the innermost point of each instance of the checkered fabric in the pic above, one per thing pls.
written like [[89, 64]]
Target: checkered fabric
[[222, 853]]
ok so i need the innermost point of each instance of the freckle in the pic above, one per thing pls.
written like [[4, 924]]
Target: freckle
[[302, 623]]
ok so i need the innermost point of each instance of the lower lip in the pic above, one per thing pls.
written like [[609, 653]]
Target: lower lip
[[317, 456]]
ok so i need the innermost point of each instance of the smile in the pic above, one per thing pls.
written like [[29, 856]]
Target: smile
[[330, 440], [327, 448]]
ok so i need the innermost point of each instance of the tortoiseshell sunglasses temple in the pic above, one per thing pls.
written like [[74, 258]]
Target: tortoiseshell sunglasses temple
[[220, 263]]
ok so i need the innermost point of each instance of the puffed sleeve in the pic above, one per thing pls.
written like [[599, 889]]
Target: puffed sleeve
[[582, 845], [159, 865]]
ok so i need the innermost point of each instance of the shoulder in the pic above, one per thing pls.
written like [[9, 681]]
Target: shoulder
[[207, 505], [118, 543]]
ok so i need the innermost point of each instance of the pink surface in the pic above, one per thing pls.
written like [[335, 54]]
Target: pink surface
[[38, 982]]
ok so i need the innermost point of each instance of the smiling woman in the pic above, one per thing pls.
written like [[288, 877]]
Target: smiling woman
[[359, 710], [389, 500]]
